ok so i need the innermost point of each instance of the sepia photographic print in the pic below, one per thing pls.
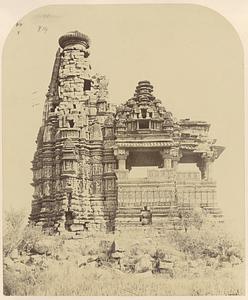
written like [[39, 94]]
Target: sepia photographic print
[[123, 152]]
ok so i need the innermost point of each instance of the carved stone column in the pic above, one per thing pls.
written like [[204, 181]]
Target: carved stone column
[[175, 163], [166, 155], [121, 155], [205, 165], [175, 156]]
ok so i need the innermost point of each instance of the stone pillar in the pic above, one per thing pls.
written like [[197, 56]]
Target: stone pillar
[[175, 156], [166, 158], [201, 165], [208, 169], [175, 163], [121, 155], [205, 166], [167, 163], [122, 163]]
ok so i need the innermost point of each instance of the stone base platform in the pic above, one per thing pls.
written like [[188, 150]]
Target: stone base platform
[[166, 216]]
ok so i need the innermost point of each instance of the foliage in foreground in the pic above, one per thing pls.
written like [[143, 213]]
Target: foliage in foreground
[[201, 259], [211, 240], [69, 280]]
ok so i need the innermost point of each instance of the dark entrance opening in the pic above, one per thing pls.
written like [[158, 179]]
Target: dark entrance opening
[[87, 85], [144, 124], [71, 123], [143, 113], [144, 158], [68, 219]]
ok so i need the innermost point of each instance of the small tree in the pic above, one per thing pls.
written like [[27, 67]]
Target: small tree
[[184, 216], [198, 218], [192, 218], [13, 225]]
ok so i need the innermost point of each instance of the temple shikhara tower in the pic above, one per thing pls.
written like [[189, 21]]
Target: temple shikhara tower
[[87, 149]]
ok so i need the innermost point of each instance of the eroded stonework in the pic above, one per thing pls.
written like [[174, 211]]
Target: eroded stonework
[[86, 148]]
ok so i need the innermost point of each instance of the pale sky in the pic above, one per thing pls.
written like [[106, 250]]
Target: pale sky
[[191, 54]]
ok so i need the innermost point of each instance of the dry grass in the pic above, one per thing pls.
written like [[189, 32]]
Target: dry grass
[[68, 280], [60, 273]]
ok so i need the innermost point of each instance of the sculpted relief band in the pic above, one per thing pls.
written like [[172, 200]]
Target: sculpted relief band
[[86, 148]]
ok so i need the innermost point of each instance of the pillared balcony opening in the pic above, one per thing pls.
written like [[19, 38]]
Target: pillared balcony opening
[[150, 158]]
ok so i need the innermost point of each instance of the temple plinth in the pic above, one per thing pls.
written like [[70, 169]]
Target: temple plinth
[[88, 148]]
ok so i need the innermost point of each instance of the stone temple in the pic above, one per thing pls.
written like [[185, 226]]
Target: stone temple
[[87, 149]]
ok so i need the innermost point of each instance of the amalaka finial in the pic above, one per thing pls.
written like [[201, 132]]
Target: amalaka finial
[[74, 37]]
